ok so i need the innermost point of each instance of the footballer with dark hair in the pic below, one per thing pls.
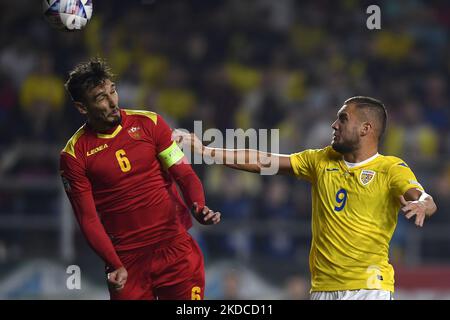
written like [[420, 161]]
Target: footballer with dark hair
[[120, 171]]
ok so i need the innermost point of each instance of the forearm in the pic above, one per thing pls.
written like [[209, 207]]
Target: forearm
[[101, 244], [190, 185], [93, 230], [241, 159], [192, 190]]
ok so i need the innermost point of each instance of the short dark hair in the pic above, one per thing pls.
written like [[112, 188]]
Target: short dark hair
[[86, 76], [375, 107]]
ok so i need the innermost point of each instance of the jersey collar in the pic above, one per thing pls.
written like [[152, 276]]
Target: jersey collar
[[350, 165], [110, 135], [113, 132]]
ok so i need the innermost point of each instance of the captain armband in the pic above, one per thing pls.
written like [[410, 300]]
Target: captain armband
[[171, 155]]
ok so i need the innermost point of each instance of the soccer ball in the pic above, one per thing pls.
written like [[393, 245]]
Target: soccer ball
[[67, 15]]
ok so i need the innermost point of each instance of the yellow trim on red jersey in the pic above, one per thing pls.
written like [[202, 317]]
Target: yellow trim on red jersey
[[148, 114], [70, 146], [111, 135]]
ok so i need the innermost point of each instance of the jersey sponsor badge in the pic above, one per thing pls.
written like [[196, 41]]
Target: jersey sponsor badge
[[366, 176], [135, 132]]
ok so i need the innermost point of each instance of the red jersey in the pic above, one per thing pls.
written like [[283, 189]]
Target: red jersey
[[121, 194]]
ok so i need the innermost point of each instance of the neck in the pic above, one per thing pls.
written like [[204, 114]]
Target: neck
[[360, 155], [100, 127]]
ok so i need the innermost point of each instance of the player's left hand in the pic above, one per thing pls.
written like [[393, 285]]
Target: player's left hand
[[414, 208], [205, 215]]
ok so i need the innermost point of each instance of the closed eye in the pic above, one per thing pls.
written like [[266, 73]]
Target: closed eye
[[100, 97], [343, 117]]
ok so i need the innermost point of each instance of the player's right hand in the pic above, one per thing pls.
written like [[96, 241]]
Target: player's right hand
[[188, 139], [117, 278]]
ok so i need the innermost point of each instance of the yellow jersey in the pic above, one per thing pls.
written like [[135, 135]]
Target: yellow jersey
[[354, 215]]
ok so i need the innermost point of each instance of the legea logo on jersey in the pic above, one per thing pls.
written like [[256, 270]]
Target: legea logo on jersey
[[135, 132], [366, 176], [97, 149]]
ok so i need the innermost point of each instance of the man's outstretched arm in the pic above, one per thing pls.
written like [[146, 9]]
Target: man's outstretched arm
[[241, 159]]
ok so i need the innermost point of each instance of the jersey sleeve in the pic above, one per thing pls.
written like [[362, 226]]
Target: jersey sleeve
[[162, 135], [190, 185], [401, 179], [172, 158], [166, 148], [79, 192], [73, 175], [304, 164]]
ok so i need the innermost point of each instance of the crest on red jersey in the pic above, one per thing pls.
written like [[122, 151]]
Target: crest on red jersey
[[135, 132], [366, 176]]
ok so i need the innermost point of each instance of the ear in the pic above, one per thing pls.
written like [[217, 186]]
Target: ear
[[365, 128], [80, 107]]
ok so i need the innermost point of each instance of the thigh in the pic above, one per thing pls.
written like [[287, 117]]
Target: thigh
[[139, 283], [179, 272]]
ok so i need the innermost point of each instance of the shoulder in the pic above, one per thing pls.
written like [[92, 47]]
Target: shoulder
[[393, 165], [391, 161], [329, 153], [315, 156], [320, 154], [71, 145], [142, 115]]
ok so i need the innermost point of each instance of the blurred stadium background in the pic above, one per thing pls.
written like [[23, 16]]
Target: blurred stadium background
[[250, 64]]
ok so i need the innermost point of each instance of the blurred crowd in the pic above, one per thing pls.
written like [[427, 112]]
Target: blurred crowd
[[244, 64]]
